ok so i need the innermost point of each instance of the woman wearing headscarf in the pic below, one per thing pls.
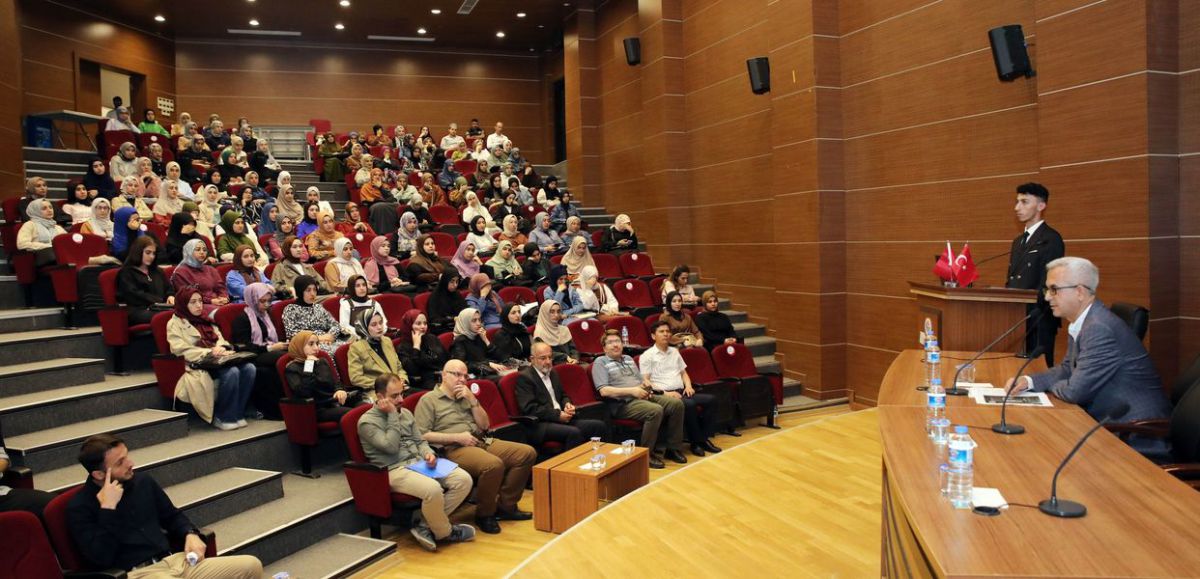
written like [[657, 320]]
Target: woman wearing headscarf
[[512, 233], [575, 231], [321, 242], [416, 204], [286, 202], [305, 314], [311, 221], [37, 233], [309, 376], [214, 178], [355, 161], [383, 271], [245, 272], [329, 150], [421, 352], [147, 184], [549, 195], [219, 396], [173, 176], [593, 296], [352, 222], [285, 228], [229, 168], [552, 331], [382, 217], [407, 235], [510, 206], [98, 180], [485, 244], [132, 196], [560, 290], [291, 266], [78, 205], [472, 347], [445, 302], [620, 238], [168, 204], [210, 211], [494, 188], [248, 206], [504, 267], [684, 333], [577, 258], [546, 237], [253, 331], [269, 216], [512, 343], [465, 261], [716, 327], [372, 354], [356, 299], [678, 282], [476, 209], [125, 228], [536, 269], [425, 267], [101, 222], [124, 165], [342, 267], [237, 233], [484, 300], [193, 272], [374, 189], [141, 284]]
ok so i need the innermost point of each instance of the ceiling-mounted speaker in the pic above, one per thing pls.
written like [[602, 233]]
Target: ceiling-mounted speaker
[[760, 74], [633, 50], [1010, 53]]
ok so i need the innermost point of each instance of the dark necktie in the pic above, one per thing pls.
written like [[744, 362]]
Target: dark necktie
[[1024, 239]]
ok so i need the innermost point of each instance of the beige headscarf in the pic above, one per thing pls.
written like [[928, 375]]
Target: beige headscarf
[[462, 323], [548, 329], [575, 263]]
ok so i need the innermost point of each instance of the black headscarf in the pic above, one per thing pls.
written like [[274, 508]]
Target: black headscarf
[[104, 184], [302, 282], [444, 303]]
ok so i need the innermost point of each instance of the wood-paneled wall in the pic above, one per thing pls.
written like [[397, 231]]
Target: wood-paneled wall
[[55, 37], [288, 83], [11, 168], [885, 133]]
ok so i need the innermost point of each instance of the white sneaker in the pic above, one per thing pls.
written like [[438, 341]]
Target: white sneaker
[[241, 423], [424, 537], [223, 425]]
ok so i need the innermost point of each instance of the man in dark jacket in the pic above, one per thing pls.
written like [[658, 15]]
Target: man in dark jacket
[[540, 395], [1037, 246]]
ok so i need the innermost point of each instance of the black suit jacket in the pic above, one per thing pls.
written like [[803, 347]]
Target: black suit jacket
[[533, 399], [1027, 265]]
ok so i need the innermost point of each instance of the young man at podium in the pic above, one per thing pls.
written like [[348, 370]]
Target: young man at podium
[[1037, 246]]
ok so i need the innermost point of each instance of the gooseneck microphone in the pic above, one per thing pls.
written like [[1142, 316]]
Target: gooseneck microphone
[[1004, 427], [954, 390], [1071, 509]]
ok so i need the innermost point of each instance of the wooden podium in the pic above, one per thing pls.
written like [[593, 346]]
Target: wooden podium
[[968, 318]]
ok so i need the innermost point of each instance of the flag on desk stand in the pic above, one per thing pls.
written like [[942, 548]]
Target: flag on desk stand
[[965, 267], [944, 268]]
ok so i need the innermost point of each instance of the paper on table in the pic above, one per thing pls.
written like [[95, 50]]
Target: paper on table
[[995, 397], [988, 497], [970, 385], [442, 469]]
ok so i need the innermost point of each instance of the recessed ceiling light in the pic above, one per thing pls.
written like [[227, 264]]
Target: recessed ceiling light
[[421, 31], [520, 14], [566, 3], [541, 25], [345, 3], [339, 26], [436, 11], [160, 18], [500, 34], [253, 22]]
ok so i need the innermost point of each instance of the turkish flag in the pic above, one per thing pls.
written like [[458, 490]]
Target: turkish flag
[[944, 268], [965, 267]]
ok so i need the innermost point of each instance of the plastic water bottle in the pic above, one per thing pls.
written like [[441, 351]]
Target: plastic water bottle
[[926, 334], [935, 408], [961, 474], [624, 336], [933, 361]]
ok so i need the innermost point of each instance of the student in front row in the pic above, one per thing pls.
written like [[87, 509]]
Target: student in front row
[[390, 439]]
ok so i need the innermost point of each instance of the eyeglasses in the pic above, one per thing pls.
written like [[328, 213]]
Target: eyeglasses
[[459, 374], [1052, 290]]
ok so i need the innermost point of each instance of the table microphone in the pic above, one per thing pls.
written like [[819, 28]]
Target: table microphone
[[954, 390], [1004, 427], [1071, 509]]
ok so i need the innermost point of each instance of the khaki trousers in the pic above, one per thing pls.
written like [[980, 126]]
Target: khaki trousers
[[500, 473], [439, 498], [175, 566]]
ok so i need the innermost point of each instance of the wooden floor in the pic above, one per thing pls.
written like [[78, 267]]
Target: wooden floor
[[804, 501]]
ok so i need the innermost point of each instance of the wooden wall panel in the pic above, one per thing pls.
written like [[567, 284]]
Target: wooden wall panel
[[1101, 121], [1069, 58], [12, 170]]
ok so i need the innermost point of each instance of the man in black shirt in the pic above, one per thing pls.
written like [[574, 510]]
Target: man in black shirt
[[118, 520], [1037, 246]]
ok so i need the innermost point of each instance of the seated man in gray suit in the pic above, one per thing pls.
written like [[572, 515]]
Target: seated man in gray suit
[[1106, 365]]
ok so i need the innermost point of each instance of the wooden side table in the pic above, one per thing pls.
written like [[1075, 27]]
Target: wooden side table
[[565, 494]]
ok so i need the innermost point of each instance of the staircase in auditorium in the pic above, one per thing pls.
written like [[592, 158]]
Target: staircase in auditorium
[[55, 391]]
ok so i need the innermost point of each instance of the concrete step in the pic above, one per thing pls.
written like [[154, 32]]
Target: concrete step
[[205, 450], [700, 288], [45, 375], [337, 556], [735, 316], [767, 364], [11, 295], [74, 156], [58, 447], [225, 493], [310, 511], [27, 320], [749, 330], [761, 345], [792, 387], [38, 345], [26, 413]]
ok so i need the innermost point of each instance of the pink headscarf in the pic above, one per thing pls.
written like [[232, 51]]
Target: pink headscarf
[[465, 268], [259, 318]]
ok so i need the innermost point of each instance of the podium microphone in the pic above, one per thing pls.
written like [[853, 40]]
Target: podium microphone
[[1071, 509], [987, 259], [1004, 427], [954, 390]]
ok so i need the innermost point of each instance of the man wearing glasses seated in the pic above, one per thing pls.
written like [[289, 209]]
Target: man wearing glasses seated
[[622, 388], [1106, 365], [454, 421]]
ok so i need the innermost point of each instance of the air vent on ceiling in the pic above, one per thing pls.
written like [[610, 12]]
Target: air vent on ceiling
[[467, 6], [401, 38], [262, 32]]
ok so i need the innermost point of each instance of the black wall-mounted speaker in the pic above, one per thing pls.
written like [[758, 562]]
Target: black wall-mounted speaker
[[633, 50], [760, 74], [1010, 53]]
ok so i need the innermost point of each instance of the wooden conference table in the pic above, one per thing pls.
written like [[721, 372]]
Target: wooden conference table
[[1141, 522]]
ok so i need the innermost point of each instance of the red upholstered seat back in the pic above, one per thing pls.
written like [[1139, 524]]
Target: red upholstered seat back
[[637, 264], [576, 383], [588, 336], [27, 551], [734, 361], [634, 326], [508, 393], [632, 293], [225, 316], [699, 365], [350, 432], [55, 517]]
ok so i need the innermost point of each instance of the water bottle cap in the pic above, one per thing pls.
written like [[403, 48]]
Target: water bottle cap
[[937, 381], [960, 429]]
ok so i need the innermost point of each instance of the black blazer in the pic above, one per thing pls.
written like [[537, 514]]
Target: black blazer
[[1027, 265], [533, 399]]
